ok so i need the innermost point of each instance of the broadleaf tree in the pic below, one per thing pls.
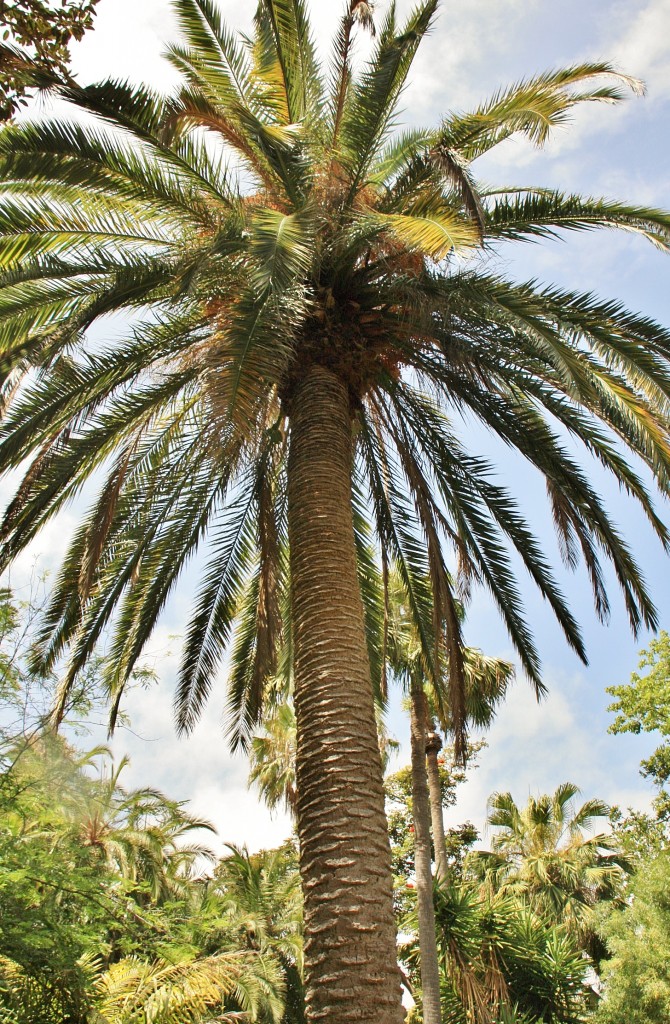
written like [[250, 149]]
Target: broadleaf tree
[[35, 37], [299, 341]]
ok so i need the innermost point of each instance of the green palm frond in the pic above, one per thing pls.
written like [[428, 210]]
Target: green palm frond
[[534, 106], [368, 114], [216, 608], [531, 215], [283, 246], [286, 58], [219, 60], [185, 991]]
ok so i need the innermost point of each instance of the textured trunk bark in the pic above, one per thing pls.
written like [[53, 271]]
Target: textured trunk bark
[[345, 862], [433, 747], [430, 971]]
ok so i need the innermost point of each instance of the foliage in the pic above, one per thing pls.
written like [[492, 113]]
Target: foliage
[[272, 758], [261, 902], [185, 991], [189, 991], [501, 962], [42, 30], [643, 705], [399, 812], [637, 977], [640, 835], [102, 907], [86, 867], [543, 854]]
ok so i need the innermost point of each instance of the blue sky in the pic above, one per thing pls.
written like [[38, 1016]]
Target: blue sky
[[620, 152]]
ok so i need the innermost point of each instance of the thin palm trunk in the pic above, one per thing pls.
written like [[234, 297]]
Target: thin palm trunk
[[345, 863], [430, 971], [433, 747]]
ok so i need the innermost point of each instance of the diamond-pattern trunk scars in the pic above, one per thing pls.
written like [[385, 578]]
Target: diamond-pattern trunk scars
[[345, 861]]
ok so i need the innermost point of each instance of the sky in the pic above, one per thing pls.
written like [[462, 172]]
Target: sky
[[623, 152]]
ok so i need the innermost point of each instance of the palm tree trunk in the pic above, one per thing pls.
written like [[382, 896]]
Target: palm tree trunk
[[433, 747], [430, 971], [345, 861]]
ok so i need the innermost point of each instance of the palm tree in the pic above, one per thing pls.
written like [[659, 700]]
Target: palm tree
[[138, 834], [486, 680], [262, 904], [543, 853], [272, 757], [296, 333], [234, 986]]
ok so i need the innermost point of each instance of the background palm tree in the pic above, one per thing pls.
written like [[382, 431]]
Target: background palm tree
[[486, 681], [544, 853], [138, 833], [272, 758], [190, 990], [300, 336], [262, 904]]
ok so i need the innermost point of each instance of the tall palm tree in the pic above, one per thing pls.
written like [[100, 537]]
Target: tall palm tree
[[296, 335], [406, 658], [486, 681], [548, 853]]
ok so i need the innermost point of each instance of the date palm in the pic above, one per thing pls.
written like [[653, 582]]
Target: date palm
[[297, 340]]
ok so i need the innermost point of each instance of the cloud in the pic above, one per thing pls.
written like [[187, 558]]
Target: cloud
[[642, 47], [198, 768], [533, 747]]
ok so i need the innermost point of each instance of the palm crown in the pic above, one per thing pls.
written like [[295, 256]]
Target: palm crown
[[315, 234], [544, 852], [285, 262]]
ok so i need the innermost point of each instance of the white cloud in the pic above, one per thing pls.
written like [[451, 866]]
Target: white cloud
[[642, 47], [199, 767], [534, 747]]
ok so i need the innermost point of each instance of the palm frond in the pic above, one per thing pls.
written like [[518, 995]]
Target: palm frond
[[534, 106], [532, 215], [373, 98]]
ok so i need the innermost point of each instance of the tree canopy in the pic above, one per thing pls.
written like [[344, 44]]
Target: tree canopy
[[36, 35]]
